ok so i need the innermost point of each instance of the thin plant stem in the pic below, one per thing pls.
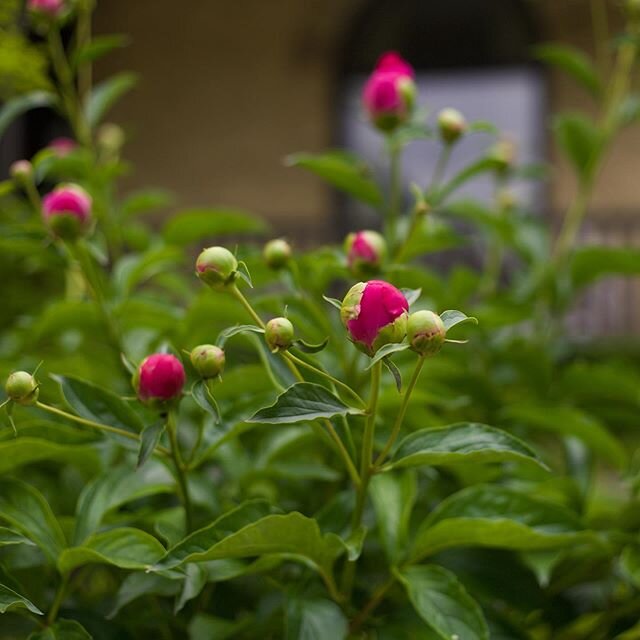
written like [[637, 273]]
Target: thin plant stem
[[96, 425], [372, 604], [440, 168], [180, 470], [57, 601], [600, 22], [393, 212], [395, 431]]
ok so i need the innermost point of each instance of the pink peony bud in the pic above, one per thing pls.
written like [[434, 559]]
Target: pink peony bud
[[375, 314], [390, 91], [159, 379], [366, 251], [62, 146], [52, 8], [67, 211]]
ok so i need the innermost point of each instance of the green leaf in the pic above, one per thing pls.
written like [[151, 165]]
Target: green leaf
[[574, 62], [14, 108], [149, 440], [463, 443], [412, 295], [99, 47], [443, 603], [228, 523], [26, 509], [126, 548], [629, 110], [139, 584], [146, 201], [10, 600], [386, 351], [116, 487], [195, 579], [334, 302], [342, 170], [569, 421], [204, 399], [207, 627], [225, 334], [94, 403], [292, 535], [630, 563], [303, 402], [197, 225], [588, 264], [394, 371], [393, 497], [477, 168], [581, 141], [24, 450], [494, 516], [314, 619], [10, 537], [62, 630], [106, 94], [307, 347], [452, 318]]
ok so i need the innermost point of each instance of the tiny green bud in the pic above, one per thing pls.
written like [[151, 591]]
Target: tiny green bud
[[503, 155], [208, 360], [451, 124], [111, 137], [426, 332], [217, 267], [277, 253], [21, 170], [279, 334], [22, 388]]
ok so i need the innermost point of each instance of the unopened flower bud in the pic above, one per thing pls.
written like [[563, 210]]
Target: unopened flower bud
[[277, 253], [21, 170], [389, 94], [366, 251], [67, 211], [111, 137], [22, 388], [159, 380], [426, 332], [451, 124], [279, 334], [503, 155], [374, 313], [62, 146], [48, 8], [217, 267], [208, 360], [506, 200]]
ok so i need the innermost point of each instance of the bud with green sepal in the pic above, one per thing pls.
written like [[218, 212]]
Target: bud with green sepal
[[22, 388], [279, 334], [503, 155], [366, 251], [217, 267], [208, 360], [426, 332], [277, 253], [21, 170], [452, 125]]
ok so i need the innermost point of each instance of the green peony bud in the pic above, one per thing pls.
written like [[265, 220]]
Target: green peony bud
[[503, 155], [217, 267], [21, 170], [279, 334], [451, 124], [22, 388], [208, 360], [426, 332], [277, 253]]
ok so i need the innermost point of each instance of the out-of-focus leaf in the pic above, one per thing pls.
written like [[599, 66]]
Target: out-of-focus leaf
[[207, 627], [14, 108], [99, 47], [145, 201], [314, 618], [106, 94], [303, 402], [580, 140], [62, 630], [590, 263], [342, 170], [443, 603], [24, 450], [495, 516], [196, 225], [574, 62]]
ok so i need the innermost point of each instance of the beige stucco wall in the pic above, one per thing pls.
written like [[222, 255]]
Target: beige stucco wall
[[229, 88]]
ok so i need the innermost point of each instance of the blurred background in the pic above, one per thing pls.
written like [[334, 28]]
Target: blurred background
[[227, 90]]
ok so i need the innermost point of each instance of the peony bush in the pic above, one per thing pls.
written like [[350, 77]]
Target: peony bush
[[211, 433]]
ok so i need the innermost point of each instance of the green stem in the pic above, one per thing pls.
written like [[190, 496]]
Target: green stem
[[394, 194], [365, 468], [371, 605], [338, 383], [57, 602], [96, 425], [440, 168], [395, 431], [180, 471], [83, 39]]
